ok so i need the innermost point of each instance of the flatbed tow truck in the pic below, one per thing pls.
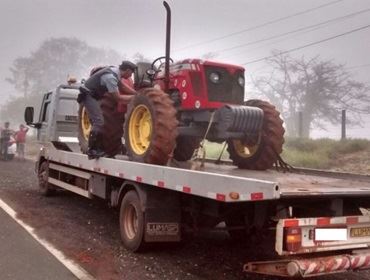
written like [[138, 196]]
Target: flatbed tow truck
[[320, 219]]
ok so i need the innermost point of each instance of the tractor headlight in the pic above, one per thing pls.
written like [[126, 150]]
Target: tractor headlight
[[214, 77], [241, 81]]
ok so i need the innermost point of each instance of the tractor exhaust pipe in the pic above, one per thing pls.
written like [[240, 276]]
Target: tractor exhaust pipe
[[168, 46]]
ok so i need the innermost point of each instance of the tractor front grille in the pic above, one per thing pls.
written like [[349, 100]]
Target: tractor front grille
[[227, 90]]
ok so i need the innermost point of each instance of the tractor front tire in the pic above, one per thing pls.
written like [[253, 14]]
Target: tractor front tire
[[261, 153], [150, 127]]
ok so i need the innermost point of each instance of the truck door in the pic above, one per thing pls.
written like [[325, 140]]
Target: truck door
[[44, 117]]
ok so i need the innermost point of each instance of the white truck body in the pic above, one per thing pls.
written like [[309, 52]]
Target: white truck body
[[311, 211]]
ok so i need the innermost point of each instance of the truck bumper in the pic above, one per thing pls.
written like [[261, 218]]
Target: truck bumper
[[309, 267]]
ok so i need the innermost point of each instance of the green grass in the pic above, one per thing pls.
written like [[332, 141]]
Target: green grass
[[213, 151], [320, 153], [310, 153]]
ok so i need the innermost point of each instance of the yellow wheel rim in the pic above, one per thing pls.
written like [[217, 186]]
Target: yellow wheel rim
[[140, 129], [85, 123], [243, 150]]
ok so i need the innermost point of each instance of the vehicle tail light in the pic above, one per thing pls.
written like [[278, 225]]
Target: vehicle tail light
[[293, 239]]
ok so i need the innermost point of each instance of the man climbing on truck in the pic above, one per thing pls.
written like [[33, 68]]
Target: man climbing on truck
[[104, 81]]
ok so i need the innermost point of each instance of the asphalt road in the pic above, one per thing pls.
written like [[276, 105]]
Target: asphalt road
[[86, 231], [22, 257]]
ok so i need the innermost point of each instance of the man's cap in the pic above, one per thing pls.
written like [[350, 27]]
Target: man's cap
[[127, 65]]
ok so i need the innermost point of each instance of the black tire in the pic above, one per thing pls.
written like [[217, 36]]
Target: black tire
[[237, 234], [10, 157], [185, 147], [160, 142], [82, 138], [45, 188], [267, 147], [113, 126], [112, 130], [130, 213]]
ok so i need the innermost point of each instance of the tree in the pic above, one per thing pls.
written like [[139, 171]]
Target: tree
[[49, 66], [317, 88]]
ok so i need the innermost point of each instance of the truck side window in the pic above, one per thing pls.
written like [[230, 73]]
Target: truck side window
[[45, 112]]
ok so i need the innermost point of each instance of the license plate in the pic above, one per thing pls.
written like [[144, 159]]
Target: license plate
[[330, 234], [360, 232]]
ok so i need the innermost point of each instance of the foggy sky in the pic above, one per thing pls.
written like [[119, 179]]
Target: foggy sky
[[131, 26]]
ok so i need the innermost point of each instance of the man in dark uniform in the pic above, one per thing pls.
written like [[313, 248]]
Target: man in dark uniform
[[6, 133], [106, 80]]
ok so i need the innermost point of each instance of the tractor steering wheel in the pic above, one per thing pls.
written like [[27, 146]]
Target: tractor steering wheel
[[161, 62]]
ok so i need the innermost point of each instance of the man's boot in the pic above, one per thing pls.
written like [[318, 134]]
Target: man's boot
[[95, 150]]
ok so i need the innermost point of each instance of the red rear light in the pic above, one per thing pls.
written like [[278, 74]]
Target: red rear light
[[292, 239]]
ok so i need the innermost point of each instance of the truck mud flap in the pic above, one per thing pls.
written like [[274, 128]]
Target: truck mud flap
[[162, 216], [309, 267]]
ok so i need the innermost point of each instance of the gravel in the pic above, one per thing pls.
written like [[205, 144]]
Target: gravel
[[87, 232]]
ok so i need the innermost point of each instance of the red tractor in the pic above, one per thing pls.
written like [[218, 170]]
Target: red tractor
[[181, 103]]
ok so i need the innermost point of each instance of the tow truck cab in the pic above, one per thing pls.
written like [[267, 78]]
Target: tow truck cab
[[58, 115]]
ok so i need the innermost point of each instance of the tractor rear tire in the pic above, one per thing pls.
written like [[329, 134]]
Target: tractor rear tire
[[84, 127], [150, 127], [262, 153], [113, 126], [185, 147], [112, 130]]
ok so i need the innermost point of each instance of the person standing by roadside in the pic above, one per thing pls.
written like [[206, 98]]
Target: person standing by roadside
[[6, 133], [20, 139]]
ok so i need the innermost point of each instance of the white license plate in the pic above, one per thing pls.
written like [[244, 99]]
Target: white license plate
[[330, 234]]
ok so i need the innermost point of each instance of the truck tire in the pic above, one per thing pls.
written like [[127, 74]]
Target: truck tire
[[261, 153], [185, 147], [150, 127], [131, 221], [112, 130], [44, 186]]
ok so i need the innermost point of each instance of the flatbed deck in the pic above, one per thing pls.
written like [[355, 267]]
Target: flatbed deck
[[303, 182], [217, 181]]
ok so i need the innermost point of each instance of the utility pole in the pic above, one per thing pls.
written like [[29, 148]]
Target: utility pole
[[25, 86], [300, 124], [343, 125]]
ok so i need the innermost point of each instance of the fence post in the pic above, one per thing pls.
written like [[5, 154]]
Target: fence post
[[300, 124], [343, 124]]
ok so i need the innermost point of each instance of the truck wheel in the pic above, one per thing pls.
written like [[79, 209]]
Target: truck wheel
[[185, 147], [44, 186], [131, 221], [112, 130], [260, 153], [237, 234], [150, 127]]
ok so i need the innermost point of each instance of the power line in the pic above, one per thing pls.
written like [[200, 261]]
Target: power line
[[259, 26], [309, 45], [297, 30], [359, 66], [277, 41]]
